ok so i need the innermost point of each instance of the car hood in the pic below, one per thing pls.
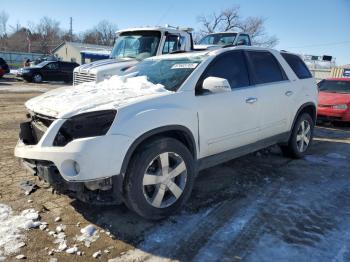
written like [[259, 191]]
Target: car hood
[[110, 94], [327, 98], [106, 64]]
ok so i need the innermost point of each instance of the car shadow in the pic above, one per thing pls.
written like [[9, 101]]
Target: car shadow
[[232, 182]]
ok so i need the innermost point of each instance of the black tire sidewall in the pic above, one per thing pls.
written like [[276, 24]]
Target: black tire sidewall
[[33, 78], [134, 196], [293, 140]]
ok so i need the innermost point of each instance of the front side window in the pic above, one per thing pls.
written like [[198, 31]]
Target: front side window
[[243, 40], [218, 39], [171, 44], [170, 73], [297, 65], [137, 44], [266, 68], [335, 86], [230, 66]]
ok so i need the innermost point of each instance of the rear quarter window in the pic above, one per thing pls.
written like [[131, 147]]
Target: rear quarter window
[[265, 67], [297, 65]]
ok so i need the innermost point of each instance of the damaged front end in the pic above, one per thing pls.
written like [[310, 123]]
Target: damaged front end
[[97, 192], [101, 191]]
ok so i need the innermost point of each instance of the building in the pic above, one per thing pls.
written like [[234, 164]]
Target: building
[[80, 52]]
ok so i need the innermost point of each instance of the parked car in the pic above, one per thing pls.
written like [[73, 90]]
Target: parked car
[[48, 71], [4, 68], [334, 99], [142, 137]]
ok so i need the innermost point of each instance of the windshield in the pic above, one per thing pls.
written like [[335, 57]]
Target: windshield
[[334, 86], [137, 44], [170, 73], [218, 39]]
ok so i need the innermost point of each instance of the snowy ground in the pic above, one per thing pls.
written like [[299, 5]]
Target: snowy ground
[[261, 207]]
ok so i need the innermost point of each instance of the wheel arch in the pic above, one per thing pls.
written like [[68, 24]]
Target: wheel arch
[[310, 108], [181, 133]]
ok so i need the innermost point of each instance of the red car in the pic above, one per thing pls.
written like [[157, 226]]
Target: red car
[[334, 99]]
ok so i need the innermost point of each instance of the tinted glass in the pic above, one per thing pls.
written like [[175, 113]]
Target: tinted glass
[[297, 65], [52, 66], [231, 66], [266, 68], [172, 43], [244, 38], [334, 86]]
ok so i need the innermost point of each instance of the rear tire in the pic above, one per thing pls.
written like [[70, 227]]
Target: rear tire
[[301, 137], [159, 179]]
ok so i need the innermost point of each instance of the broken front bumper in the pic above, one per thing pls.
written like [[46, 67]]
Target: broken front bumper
[[81, 160], [100, 192]]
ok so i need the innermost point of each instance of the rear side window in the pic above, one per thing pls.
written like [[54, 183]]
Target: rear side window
[[231, 66], [297, 65], [266, 68]]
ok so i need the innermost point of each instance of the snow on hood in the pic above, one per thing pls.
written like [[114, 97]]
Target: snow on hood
[[109, 94]]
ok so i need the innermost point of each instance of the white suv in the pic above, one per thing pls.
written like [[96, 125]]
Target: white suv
[[142, 137]]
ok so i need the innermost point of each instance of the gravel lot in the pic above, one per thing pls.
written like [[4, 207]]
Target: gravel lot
[[260, 207]]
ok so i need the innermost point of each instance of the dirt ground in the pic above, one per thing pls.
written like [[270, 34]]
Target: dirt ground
[[261, 207]]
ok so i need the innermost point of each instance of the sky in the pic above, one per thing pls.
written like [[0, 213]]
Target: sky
[[316, 27]]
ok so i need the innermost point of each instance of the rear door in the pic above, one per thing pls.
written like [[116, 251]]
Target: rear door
[[227, 120], [274, 91]]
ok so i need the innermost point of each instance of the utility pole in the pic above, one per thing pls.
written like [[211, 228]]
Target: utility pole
[[71, 28]]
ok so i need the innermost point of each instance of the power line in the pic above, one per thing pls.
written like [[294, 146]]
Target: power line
[[317, 45]]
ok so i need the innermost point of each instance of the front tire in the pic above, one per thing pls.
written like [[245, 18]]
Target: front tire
[[301, 137], [159, 179], [37, 78]]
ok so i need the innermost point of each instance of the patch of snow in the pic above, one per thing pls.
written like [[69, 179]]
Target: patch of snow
[[13, 71], [108, 94], [11, 226], [72, 250], [57, 219], [97, 254], [88, 235], [336, 156]]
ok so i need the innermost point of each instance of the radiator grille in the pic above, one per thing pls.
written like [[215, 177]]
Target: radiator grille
[[80, 77]]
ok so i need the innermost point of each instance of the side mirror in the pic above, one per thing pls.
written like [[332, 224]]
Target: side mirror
[[216, 85]]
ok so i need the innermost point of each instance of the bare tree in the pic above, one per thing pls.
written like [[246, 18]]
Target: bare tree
[[102, 34], [255, 27], [230, 20], [47, 34], [4, 17]]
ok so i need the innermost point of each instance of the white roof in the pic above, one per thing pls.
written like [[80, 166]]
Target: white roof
[[151, 28]]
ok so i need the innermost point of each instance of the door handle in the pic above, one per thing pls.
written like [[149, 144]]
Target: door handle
[[251, 100], [288, 93]]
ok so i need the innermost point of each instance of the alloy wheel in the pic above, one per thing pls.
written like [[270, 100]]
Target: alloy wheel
[[164, 180], [303, 136]]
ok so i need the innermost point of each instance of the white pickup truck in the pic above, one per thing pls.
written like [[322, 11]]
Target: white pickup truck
[[133, 45]]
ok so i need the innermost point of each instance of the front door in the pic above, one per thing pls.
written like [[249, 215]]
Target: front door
[[227, 120]]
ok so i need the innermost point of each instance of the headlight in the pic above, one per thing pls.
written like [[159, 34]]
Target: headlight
[[85, 125], [25, 71], [341, 106]]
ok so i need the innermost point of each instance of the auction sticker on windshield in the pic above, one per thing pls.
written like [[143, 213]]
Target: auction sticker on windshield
[[184, 66]]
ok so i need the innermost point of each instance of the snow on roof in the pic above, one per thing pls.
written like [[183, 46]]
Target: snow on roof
[[97, 52]]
